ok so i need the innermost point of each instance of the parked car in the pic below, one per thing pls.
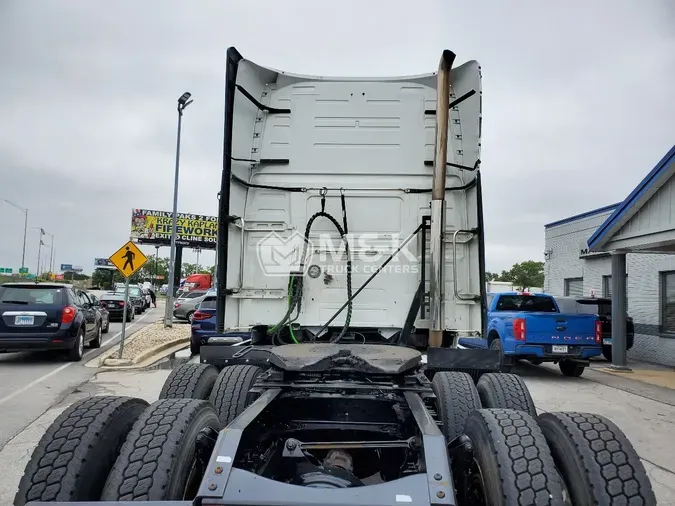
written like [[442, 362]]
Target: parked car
[[103, 310], [115, 304], [602, 307], [136, 296], [523, 325], [164, 289], [47, 316], [203, 322], [185, 306]]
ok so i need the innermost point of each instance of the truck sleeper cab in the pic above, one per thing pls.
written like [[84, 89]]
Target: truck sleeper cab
[[339, 172]]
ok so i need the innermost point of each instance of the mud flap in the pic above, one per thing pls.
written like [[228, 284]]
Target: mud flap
[[472, 362]]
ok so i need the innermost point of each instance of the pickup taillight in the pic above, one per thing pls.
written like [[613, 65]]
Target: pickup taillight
[[598, 331], [519, 329]]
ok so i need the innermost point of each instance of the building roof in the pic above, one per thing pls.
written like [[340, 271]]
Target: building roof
[[634, 202], [587, 214]]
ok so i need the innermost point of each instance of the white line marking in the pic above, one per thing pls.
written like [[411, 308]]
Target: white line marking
[[62, 367]]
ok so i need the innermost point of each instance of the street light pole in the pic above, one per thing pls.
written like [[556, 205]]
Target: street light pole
[[51, 253], [154, 281], [183, 102], [25, 229]]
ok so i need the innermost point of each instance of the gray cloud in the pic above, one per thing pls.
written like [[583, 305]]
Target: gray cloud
[[577, 102]]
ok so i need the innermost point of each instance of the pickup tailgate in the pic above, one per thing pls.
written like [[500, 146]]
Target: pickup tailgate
[[558, 328]]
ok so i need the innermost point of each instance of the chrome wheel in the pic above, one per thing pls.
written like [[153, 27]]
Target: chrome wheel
[[80, 343]]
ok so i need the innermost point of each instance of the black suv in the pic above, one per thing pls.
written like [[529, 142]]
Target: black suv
[[47, 316], [601, 306]]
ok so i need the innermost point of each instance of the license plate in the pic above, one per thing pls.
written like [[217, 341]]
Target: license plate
[[559, 349], [112, 304], [24, 320], [606, 341]]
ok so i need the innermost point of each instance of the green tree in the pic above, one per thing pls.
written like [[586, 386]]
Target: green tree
[[491, 276], [524, 274], [154, 267]]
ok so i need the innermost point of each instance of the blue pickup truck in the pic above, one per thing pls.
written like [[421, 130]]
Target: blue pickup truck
[[523, 325]]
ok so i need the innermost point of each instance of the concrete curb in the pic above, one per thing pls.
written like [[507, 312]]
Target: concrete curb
[[148, 357], [150, 353], [113, 351]]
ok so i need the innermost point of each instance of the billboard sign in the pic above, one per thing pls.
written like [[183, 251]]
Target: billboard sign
[[66, 267], [103, 263], [192, 230]]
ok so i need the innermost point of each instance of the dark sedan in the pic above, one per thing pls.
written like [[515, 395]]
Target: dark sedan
[[46, 316], [103, 310], [115, 304], [136, 296]]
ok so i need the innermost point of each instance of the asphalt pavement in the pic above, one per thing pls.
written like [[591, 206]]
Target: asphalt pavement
[[30, 383]]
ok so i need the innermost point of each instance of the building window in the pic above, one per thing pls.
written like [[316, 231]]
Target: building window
[[607, 286], [574, 287], [668, 302]]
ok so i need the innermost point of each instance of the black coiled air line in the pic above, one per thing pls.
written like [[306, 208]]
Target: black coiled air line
[[295, 284]]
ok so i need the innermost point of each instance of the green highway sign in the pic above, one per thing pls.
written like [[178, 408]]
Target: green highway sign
[[6, 270], [23, 270]]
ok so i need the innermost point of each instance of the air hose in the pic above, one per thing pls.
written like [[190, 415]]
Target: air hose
[[295, 284]]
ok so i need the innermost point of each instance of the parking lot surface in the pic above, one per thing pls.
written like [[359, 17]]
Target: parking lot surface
[[30, 383], [644, 412]]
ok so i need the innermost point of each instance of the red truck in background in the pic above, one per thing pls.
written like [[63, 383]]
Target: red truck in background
[[197, 282]]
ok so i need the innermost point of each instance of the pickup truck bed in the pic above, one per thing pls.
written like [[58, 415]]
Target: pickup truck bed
[[531, 327]]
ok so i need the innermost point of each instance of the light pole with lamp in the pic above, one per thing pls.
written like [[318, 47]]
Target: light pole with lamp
[[42, 232], [51, 253], [183, 102], [25, 229]]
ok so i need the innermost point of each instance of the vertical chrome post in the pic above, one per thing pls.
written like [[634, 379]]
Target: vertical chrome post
[[436, 257]]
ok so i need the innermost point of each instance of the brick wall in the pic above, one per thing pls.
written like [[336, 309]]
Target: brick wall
[[643, 284]]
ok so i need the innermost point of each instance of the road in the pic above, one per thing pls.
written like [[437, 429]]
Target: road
[[30, 383]]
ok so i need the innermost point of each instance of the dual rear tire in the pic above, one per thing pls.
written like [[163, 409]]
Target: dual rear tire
[[520, 458], [119, 449]]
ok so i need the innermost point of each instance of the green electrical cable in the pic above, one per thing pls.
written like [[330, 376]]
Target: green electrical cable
[[290, 301]]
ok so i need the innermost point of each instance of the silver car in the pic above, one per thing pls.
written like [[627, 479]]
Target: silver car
[[186, 305]]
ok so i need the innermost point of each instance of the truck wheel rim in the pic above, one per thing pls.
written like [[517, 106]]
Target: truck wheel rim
[[477, 485], [193, 481]]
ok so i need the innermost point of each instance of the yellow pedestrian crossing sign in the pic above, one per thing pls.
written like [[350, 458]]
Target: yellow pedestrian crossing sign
[[128, 259]]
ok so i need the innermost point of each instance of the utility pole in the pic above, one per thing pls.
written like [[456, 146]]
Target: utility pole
[[25, 229]]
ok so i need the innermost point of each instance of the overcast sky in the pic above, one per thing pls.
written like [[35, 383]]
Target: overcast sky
[[578, 102]]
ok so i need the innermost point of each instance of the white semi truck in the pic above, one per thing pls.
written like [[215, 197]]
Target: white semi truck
[[300, 399], [363, 151]]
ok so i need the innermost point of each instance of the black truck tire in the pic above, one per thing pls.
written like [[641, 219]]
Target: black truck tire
[[74, 456], [456, 399], [596, 460], [189, 381], [514, 464], [159, 452], [230, 395], [507, 391], [571, 368]]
